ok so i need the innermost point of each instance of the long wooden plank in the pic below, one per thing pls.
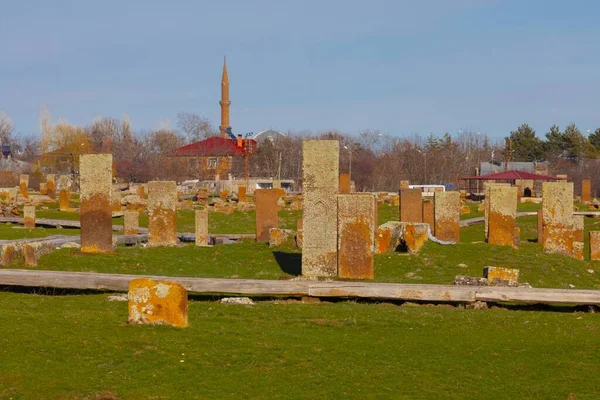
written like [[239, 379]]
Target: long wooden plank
[[398, 291]]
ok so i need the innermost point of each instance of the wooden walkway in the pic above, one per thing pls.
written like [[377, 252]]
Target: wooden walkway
[[335, 289]]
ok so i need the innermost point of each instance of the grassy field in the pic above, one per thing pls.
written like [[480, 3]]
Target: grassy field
[[80, 347]]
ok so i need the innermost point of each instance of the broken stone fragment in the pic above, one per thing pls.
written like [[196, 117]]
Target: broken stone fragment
[[157, 302]]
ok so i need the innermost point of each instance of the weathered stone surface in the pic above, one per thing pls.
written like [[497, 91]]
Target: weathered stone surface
[[411, 205], [486, 204], [34, 250], [344, 183], [447, 216], [202, 238], [578, 237], [23, 185], [278, 236], [131, 222], [356, 232], [115, 200], [586, 190], [267, 213], [95, 172], [162, 214], [320, 171], [557, 206], [64, 194], [404, 185], [429, 214], [388, 236], [241, 194], [415, 236], [499, 273], [157, 302], [43, 188], [141, 191], [502, 215], [461, 280], [299, 233], [223, 195], [51, 185], [29, 217], [595, 245]]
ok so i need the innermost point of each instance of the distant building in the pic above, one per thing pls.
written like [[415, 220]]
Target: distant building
[[539, 168], [269, 134]]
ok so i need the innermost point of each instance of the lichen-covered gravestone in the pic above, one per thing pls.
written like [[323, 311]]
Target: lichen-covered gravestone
[[578, 237], [162, 215], [64, 194], [51, 184], [131, 222], [320, 185], [23, 185], [157, 302], [266, 212], [95, 172], [595, 245], [586, 190], [29, 217], [502, 215], [447, 216], [428, 214], [411, 205], [557, 206], [201, 228], [344, 183], [356, 233]]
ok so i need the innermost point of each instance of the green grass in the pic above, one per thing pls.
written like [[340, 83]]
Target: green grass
[[81, 347]]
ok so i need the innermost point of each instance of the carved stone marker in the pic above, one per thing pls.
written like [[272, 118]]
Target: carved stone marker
[[428, 214], [64, 194], [595, 245], [131, 222], [241, 194], [266, 212], [157, 302], [23, 185], [29, 217], [201, 228], [578, 237], [51, 184], [510, 275], [162, 215], [502, 215], [557, 206], [344, 183], [356, 232], [586, 190], [95, 172], [411, 205], [447, 216], [320, 172]]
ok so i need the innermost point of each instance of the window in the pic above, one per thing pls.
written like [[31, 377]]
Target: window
[[212, 163]]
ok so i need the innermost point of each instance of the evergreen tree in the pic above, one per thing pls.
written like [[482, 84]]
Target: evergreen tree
[[526, 146], [594, 139]]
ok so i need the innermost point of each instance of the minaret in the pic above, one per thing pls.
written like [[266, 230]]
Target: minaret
[[224, 101]]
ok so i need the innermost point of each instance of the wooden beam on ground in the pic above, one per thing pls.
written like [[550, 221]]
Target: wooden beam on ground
[[334, 289]]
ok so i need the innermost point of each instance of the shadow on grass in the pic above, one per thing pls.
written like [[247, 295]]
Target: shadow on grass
[[290, 263]]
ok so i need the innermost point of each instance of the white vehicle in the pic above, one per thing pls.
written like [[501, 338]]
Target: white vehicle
[[428, 190]]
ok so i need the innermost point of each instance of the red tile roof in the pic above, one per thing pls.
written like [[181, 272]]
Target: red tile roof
[[214, 146]]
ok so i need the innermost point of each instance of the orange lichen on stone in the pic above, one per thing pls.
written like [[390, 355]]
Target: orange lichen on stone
[[502, 214], [51, 185], [557, 206], [428, 214], [277, 236], [511, 275], [29, 217], [64, 198], [141, 191], [447, 215], [223, 195], [131, 222], [415, 236], [241, 194], [595, 245], [96, 217], [411, 205], [388, 237], [578, 237], [7, 252], [23, 185], [157, 302], [356, 230], [43, 188], [267, 216], [465, 210], [586, 190], [344, 183], [162, 214]]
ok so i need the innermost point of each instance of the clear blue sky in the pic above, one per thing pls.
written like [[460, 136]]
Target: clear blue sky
[[402, 67]]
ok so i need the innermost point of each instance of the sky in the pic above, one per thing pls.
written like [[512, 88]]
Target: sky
[[402, 67]]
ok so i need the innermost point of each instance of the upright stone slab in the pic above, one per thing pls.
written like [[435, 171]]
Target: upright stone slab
[[115, 200], [411, 205], [23, 185], [157, 302], [64, 194], [241, 194], [586, 190], [557, 206], [595, 245], [43, 188], [344, 183], [320, 172], [131, 222], [162, 216], [201, 228], [356, 232], [447, 216], [428, 214], [486, 190], [414, 236], [502, 218], [578, 237], [95, 171], [29, 217], [51, 185], [266, 212]]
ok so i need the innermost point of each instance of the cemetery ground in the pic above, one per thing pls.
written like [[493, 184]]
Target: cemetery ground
[[69, 344]]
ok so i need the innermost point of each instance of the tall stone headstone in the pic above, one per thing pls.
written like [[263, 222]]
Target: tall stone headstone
[[502, 218], [131, 222], [486, 190], [344, 183], [95, 171], [51, 185], [267, 212], [320, 185], [428, 214], [595, 245], [64, 193], [411, 205], [162, 214], [29, 217], [586, 190], [201, 227], [357, 227], [557, 206], [43, 188], [23, 185], [241, 194], [447, 216], [578, 237]]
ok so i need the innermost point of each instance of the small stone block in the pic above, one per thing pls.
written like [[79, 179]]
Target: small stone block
[[511, 275], [157, 302]]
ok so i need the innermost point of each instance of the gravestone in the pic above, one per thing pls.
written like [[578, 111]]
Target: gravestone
[[586, 190], [557, 206], [428, 214], [320, 172], [23, 185], [64, 194], [241, 194], [447, 216], [201, 227], [356, 232], [29, 217], [51, 185], [266, 212], [162, 215], [131, 222], [344, 183], [595, 245], [502, 215], [486, 190], [578, 237], [95, 174], [411, 205]]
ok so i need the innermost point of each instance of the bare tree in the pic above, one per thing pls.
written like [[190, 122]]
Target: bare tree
[[194, 126], [6, 128]]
